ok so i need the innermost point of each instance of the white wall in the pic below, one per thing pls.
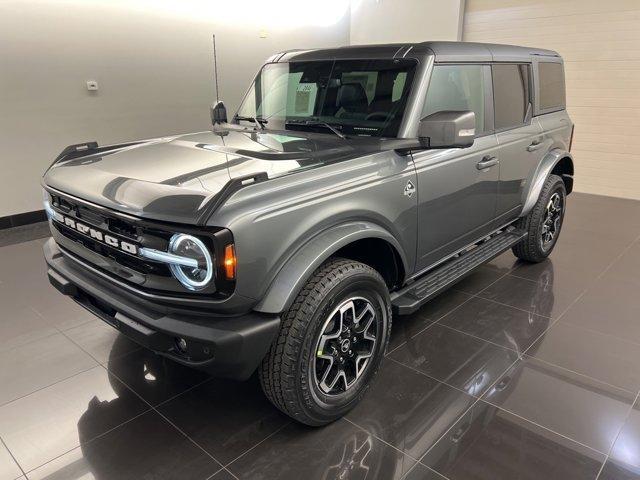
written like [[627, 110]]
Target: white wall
[[391, 21], [153, 62]]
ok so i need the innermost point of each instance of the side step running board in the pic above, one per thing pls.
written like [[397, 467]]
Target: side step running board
[[411, 297]]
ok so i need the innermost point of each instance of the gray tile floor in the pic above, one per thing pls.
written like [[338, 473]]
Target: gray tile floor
[[520, 372]]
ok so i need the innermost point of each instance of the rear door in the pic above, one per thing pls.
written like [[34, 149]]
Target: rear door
[[456, 192], [519, 135], [551, 103]]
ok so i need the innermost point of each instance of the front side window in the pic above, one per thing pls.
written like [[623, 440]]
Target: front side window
[[458, 88], [551, 85], [511, 94], [357, 97]]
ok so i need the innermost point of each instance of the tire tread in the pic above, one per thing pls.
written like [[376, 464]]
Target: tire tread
[[278, 370]]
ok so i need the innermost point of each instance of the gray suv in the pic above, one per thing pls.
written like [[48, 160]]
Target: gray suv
[[351, 185]]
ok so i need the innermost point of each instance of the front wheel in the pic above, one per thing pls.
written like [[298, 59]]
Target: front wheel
[[543, 223], [330, 344]]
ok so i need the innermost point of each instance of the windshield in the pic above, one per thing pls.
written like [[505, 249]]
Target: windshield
[[354, 97]]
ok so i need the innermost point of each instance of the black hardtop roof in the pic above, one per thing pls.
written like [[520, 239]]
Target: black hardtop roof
[[443, 51]]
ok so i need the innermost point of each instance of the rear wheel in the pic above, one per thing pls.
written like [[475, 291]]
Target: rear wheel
[[543, 223], [330, 345]]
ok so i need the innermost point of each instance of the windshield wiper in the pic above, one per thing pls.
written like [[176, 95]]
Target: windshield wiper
[[260, 122], [312, 123]]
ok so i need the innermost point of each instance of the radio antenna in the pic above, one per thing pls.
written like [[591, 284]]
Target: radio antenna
[[215, 67]]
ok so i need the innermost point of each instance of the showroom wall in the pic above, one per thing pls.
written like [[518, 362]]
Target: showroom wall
[[599, 42], [390, 21], [152, 60]]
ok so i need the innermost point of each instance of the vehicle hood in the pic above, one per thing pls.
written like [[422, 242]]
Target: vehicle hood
[[176, 179]]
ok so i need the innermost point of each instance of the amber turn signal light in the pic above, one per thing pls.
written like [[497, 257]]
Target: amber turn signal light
[[230, 262]]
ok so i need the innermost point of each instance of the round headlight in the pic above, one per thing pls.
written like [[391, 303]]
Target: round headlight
[[188, 246]]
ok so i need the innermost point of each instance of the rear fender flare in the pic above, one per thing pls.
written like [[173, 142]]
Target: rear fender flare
[[290, 279], [545, 167]]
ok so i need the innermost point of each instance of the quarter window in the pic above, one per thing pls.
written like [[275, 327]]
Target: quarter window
[[511, 94], [551, 86], [458, 88]]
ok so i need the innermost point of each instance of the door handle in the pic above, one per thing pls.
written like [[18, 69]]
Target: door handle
[[535, 145], [487, 162]]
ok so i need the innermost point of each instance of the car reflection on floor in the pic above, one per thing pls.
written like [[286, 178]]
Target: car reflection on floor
[[341, 453]]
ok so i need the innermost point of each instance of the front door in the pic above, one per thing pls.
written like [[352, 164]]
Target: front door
[[457, 188]]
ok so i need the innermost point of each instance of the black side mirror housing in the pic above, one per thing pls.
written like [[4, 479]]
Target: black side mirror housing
[[447, 129], [218, 113]]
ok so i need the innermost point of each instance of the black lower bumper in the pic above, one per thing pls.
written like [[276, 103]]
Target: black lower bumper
[[226, 346]]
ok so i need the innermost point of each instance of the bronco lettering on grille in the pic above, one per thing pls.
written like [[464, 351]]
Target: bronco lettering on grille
[[98, 235]]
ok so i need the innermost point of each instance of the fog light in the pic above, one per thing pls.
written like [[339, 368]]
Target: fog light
[[181, 344]]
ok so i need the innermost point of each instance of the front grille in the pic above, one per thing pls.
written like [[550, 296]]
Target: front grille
[[151, 276], [128, 266], [117, 226], [89, 216], [138, 264]]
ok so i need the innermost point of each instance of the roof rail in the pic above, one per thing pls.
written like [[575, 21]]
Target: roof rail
[[545, 54]]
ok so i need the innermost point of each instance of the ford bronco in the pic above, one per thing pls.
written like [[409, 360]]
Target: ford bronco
[[352, 184]]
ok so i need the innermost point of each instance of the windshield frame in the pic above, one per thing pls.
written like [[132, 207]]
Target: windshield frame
[[414, 72]]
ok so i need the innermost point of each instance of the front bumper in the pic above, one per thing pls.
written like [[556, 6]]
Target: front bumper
[[223, 345]]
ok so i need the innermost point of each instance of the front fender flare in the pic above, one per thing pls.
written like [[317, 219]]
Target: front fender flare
[[290, 279], [545, 167]]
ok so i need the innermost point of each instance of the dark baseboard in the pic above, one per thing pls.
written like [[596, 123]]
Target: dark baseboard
[[20, 219]]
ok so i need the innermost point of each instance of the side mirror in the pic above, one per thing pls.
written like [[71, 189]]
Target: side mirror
[[218, 113], [447, 129]]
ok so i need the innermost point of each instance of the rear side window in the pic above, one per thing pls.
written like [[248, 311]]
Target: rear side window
[[551, 86], [511, 94], [456, 87]]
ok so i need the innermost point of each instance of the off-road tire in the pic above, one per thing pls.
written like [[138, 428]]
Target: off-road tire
[[285, 371], [531, 249]]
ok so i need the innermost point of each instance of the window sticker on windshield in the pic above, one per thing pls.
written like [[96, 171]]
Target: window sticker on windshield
[[305, 98], [284, 138]]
